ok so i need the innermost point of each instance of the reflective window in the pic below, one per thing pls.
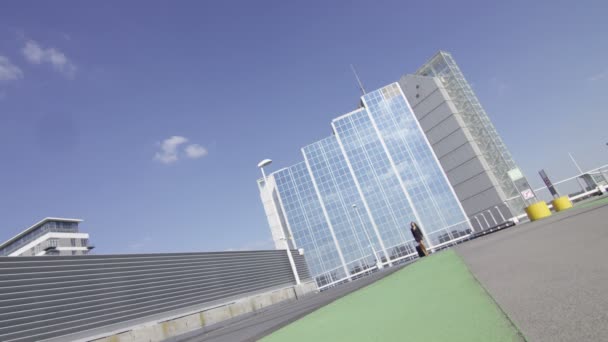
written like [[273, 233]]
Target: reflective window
[[351, 201], [305, 217]]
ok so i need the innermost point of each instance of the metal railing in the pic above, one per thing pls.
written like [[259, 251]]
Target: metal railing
[[577, 188], [402, 252], [51, 297]]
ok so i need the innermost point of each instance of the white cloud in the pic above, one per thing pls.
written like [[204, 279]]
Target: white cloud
[[9, 71], [170, 151], [599, 76], [36, 54], [195, 151]]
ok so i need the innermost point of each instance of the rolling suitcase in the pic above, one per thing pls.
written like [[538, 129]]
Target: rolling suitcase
[[420, 251]]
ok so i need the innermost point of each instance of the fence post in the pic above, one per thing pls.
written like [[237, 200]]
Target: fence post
[[500, 212], [492, 216], [485, 219], [478, 222]]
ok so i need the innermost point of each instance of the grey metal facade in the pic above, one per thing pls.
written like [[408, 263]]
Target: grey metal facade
[[461, 159], [42, 298], [468, 146]]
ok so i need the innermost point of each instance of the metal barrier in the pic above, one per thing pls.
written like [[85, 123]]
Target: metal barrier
[[577, 188], [400, 253], [51, 297]]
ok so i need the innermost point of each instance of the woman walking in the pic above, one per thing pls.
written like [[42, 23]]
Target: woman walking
[[419, 237]]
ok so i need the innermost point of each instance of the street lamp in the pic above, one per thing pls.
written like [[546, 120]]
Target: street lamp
[[261, 165], [378, 261], [292, 263]]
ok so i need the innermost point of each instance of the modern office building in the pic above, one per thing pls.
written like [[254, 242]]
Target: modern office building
[[471, 152], [51, 236], [350, 202]]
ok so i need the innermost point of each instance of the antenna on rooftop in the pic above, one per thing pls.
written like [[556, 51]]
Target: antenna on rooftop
[[358, 80]]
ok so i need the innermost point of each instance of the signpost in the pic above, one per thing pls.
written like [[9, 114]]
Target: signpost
[[527, 194], [548, 183], [521, 185]]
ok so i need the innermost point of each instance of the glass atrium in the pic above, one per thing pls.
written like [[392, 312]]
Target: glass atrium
[[350, 203]]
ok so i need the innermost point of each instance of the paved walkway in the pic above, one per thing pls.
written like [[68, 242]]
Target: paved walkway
[[546, 280], [550, 276], [435, 299]]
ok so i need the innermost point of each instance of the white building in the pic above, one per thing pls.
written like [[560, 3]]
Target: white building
[[50, 236]]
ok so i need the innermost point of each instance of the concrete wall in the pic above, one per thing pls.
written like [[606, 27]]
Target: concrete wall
[[63, 296], [461, 159], [276, 220], [207, 319]]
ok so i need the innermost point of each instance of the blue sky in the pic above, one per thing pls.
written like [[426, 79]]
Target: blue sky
[[89, 93]]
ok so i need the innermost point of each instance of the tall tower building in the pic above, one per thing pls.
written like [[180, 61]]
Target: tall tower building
[[480, 168], [350, 202]]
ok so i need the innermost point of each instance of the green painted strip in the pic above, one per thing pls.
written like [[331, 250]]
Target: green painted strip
[[434, 299], [593, 203]]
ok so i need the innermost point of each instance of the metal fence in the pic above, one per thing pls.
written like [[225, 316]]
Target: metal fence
[[579, 187], [48, 297]]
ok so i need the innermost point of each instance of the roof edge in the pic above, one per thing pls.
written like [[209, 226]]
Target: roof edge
[[36, 225]]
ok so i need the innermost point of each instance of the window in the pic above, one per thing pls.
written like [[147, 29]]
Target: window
[[73, 242], [84, 242], [73, 252]]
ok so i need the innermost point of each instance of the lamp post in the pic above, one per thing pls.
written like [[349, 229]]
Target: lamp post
[[580, 171], [371, 245], [296, 276], [261, 165]]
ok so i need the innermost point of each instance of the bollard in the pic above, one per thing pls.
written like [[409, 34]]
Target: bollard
[[562, 203], [538, 211]]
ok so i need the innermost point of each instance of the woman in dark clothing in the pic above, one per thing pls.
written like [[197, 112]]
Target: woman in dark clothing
[[419, 237]]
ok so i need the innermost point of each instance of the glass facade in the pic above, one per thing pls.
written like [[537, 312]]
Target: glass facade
[[307, 222], [338, 193], [350, 203]]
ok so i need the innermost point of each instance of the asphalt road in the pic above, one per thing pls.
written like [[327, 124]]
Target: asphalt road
[[551, 276]]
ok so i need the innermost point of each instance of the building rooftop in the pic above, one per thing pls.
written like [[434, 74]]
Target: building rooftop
[[35, 226]]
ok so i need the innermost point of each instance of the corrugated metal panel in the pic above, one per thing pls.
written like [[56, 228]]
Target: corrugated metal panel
[[46, 297], [301, 266]]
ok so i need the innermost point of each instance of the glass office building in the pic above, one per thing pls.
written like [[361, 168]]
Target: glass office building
[[349, 204]]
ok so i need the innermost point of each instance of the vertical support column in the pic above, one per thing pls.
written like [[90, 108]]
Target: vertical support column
[[361, 195], [294, 269]]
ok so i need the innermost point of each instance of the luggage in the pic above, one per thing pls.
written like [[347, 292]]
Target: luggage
[[420, 251]]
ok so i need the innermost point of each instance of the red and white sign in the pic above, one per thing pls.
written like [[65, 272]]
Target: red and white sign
[[527, 194]]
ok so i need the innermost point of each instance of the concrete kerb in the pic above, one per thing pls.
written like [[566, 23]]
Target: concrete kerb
[[208, 319]]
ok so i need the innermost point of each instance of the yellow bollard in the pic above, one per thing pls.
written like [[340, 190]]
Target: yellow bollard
[[562, 203], [538, 211]]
